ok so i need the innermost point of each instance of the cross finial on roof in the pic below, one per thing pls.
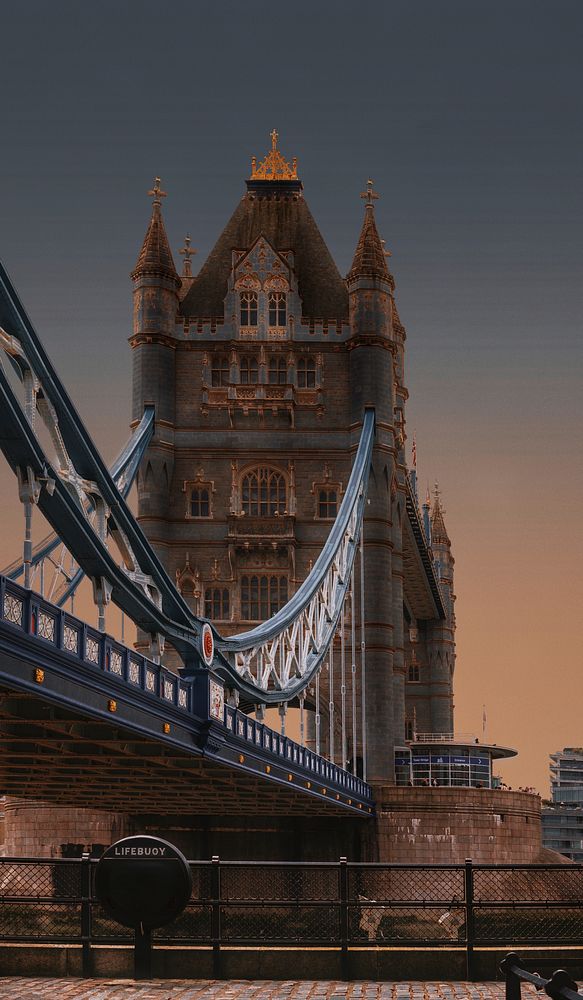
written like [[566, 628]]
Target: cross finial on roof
[[187, 252], [369, 195], [274, 167], [156, 192], [437, 498]]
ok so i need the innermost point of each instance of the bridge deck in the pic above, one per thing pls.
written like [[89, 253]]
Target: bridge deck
[[95, 733]]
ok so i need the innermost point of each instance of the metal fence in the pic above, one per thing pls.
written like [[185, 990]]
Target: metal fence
[[341, 905]]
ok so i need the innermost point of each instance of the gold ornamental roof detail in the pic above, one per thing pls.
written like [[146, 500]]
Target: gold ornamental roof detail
[[274, 167]]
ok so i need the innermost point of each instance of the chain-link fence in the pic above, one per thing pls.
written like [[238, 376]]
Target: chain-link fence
[[338, 904]]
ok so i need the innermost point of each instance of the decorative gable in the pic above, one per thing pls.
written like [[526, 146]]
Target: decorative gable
[[262, 300]]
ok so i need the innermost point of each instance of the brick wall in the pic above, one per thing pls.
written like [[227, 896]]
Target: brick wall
[[448, 825]]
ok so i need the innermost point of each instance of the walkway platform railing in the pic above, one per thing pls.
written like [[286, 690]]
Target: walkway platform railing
[[338, 906], [560, 986]]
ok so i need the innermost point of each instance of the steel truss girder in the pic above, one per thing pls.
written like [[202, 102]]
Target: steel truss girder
[[84, 475], [287, 651], [277, 660], [123, 472]]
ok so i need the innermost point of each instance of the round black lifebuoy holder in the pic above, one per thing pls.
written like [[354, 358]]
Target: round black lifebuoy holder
[[143, 883]]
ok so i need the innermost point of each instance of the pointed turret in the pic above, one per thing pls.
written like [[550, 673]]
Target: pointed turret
[[155, 257], [441, 634], [156, 303], [439, 535], [373, 378], [370, 259]]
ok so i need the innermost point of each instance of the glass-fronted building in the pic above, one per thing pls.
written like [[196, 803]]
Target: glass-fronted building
[[448, 761], [562, 817]]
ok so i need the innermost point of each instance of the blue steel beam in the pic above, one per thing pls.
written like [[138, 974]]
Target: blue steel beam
[[123, 472], [23, 450], [57, 659], [173, 619]]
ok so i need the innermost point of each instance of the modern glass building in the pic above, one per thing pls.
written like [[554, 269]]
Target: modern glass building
[[562, 817], [441, 759]]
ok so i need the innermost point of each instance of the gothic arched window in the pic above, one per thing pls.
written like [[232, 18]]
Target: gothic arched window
[[277, 303], [263, 493], [277, 371], [248, 303], [216, 603], [262, 596], [220, 371], [200, 504], [327, 503], [249, 370], [413, 673], [306, 373]]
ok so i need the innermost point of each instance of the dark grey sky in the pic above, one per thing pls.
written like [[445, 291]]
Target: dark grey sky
[[467, 114]]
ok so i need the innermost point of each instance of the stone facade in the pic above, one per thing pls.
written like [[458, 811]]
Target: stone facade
[[259, 369], [39, 830], [448, 825]]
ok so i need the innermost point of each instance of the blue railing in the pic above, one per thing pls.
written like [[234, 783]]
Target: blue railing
[[261, 736], [28, 613]]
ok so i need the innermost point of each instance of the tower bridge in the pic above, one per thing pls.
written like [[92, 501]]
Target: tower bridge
[[280, 557]]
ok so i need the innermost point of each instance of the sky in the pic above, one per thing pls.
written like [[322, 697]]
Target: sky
[[468, 116]]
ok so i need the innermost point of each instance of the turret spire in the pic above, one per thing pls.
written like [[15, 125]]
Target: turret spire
[[369, 258], [438, 530], [187, 252], [155, 257]]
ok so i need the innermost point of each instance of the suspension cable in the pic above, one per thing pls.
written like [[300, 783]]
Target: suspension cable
[[353, 667], [362, 654]]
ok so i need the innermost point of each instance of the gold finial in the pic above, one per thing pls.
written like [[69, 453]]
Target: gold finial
[[156, 192], [274, 167], [187, 252], [369, 195]]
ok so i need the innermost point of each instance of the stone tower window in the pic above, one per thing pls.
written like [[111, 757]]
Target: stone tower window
[[200, 502], [327, 503], [277, 303], [263, 493], [220, 372], [408, 729], [217, 603], [262, 596], [249, 371], [306, 373], [277, 371], [249, 308], [413, 672]]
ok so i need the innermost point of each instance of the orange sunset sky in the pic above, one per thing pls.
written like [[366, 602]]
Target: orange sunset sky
[[468, 117]]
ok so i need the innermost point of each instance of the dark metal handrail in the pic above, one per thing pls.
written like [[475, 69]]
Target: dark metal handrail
[[340, 905], [560, 986]]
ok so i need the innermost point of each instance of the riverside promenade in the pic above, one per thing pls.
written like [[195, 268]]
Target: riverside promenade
[[169, 989]]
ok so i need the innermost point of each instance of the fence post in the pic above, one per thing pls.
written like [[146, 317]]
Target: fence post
[[343, 887], [512, 980], [216, 914], [470, 926], [86, 914]]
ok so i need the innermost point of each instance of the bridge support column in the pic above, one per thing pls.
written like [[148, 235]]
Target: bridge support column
[[40, 829]]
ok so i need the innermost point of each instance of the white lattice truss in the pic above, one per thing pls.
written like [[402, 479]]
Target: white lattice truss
[[279, 662], [86, 492]]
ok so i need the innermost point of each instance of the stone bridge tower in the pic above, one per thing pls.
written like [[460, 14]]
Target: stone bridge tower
[[259, 368]]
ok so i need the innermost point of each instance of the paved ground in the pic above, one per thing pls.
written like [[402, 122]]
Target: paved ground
[[172, 989]]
